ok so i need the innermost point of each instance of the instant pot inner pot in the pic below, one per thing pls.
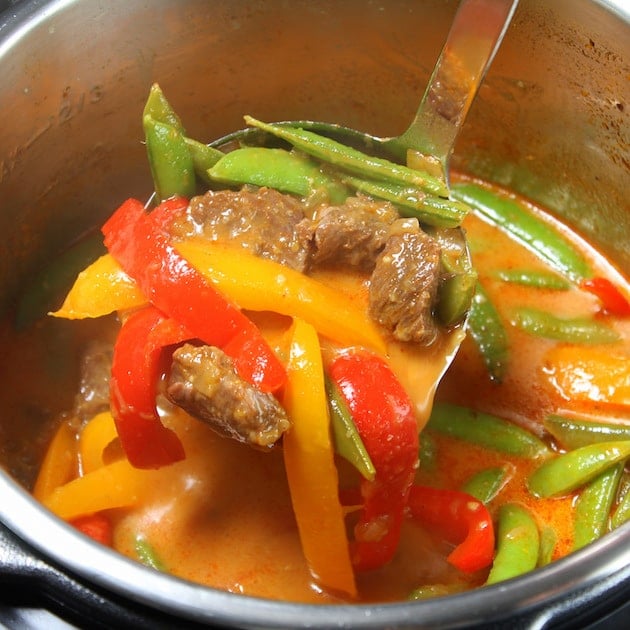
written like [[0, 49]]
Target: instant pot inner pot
[[550, 122]]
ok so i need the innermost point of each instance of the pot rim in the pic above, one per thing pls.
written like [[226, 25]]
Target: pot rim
[[538, 595]]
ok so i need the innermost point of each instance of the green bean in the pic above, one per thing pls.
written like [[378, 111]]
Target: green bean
[[488, 333], [582, 330], [548, 541], [147, 555], [486, 484], [427, 452], [413, 202], [43, 293], [569, 471], [485, 430], [348, 442], [593, 505], [352, 160], [535, 279], [538, 236], [621, 514], [285, 171], [518, 543], [170, 160], [204, 157], [158, 108], [574, 433]]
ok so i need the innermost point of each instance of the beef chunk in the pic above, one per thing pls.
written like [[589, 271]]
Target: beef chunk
[[262, 221], [351, 234], [404, 284], [204, 382], [94, 374]]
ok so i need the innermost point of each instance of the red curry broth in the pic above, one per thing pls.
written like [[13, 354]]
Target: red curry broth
[[223, 517]]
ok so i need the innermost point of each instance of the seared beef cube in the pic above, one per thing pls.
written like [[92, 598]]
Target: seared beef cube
[[404, 284], [205, 383], [94, 375], [352, 234], [263, 221]]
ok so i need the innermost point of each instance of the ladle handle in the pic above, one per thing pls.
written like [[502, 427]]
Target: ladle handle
[[473, 40]]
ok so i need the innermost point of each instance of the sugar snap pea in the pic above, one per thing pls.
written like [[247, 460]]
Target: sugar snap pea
[[158, 108], [535, 279], [286, 171], [621, 513], [593, 505], [582, 330], [573, 433], [518, 543], [548, 542], [569, 471], [536, 235], [485, 430], [433, 590], [455, 295], [203, 156], [352, 160], [459, 280], [488, 333], [412, 202], [147, 555], [170, 160], [348, 442], [486, 484]]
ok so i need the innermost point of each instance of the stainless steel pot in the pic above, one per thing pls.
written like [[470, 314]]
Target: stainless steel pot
[[551, 122]]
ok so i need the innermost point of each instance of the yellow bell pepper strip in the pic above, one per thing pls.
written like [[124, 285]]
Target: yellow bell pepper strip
[[258, 284], [60, 462], [461, 519], [100, 289], [384, 416], [116, 485], [136, 368], [143, 246], [95, 436], [309, 461], [589, 374], [254, 283]]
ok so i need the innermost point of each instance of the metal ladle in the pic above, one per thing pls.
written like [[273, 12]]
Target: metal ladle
[[475, 35]]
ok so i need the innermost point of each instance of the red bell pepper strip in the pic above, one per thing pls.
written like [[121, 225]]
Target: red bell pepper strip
[[141, 244], [384, 416], [612, 299], [96, 526], [461, 519], [136, 369]]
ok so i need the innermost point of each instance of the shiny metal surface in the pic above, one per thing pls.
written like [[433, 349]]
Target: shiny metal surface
[[551, 121], [473, 40]]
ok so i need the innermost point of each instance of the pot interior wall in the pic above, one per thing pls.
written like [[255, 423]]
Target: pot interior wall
[[551, 121]]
